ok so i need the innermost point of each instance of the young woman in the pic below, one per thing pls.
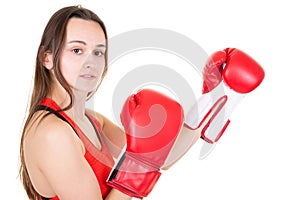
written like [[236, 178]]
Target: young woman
[[67, 151]]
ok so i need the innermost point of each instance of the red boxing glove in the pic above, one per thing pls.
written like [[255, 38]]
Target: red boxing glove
[[238, 70], [152, 122], [227, 77]]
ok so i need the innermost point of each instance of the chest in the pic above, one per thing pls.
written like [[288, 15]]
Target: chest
[[91, 132]]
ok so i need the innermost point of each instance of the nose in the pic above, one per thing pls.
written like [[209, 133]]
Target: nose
[[90, 61]]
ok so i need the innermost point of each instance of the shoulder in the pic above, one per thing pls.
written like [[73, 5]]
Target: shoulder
[[103, 120], [106, 123], [49, 134], [49, 144], [53, 128]]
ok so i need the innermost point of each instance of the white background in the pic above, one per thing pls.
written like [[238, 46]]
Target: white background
[[257, 158]]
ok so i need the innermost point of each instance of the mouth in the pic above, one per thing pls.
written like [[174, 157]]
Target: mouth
[[88, 76]]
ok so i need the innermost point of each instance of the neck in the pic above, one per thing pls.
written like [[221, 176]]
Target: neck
[[62, 98], [77, 112]]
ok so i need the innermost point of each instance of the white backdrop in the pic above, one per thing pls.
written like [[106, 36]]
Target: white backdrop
[[257, 158]]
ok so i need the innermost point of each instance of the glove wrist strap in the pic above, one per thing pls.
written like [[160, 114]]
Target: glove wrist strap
[[133, 176]]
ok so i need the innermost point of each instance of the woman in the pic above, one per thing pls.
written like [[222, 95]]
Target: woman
[[70, 160]]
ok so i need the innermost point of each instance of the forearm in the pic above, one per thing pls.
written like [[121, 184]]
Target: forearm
[[186, 139], [117, 195]]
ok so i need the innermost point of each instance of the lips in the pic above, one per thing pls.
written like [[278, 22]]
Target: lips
[[88, 76]]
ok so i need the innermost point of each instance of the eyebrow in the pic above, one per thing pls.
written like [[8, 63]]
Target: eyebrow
[[84, 43]]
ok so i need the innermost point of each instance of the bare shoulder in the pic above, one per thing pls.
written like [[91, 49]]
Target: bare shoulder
[[51, 133], [104, 121], [49, 144]]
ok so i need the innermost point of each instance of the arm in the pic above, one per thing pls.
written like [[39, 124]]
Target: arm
[[227, 76], [185, 140], [61, 160]]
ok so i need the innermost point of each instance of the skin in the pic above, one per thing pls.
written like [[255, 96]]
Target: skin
[[50, 141]]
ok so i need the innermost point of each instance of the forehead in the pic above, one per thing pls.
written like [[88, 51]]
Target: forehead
[[84, 30]]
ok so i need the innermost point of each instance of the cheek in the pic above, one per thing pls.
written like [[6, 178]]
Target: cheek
[[70, 70], [100, 67]]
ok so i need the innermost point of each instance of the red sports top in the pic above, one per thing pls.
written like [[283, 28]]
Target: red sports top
[[100, 161]]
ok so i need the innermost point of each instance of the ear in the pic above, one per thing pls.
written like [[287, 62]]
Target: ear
[[48, 60]]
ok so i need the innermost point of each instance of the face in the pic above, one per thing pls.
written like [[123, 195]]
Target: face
[[82, 59]]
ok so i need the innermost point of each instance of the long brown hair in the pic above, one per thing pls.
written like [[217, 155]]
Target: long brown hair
[[52, 41]]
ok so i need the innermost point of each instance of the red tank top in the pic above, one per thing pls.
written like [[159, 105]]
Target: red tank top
[[100, 161]]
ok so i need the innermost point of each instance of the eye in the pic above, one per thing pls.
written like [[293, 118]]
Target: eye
[[77, 51], [98, 53]]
